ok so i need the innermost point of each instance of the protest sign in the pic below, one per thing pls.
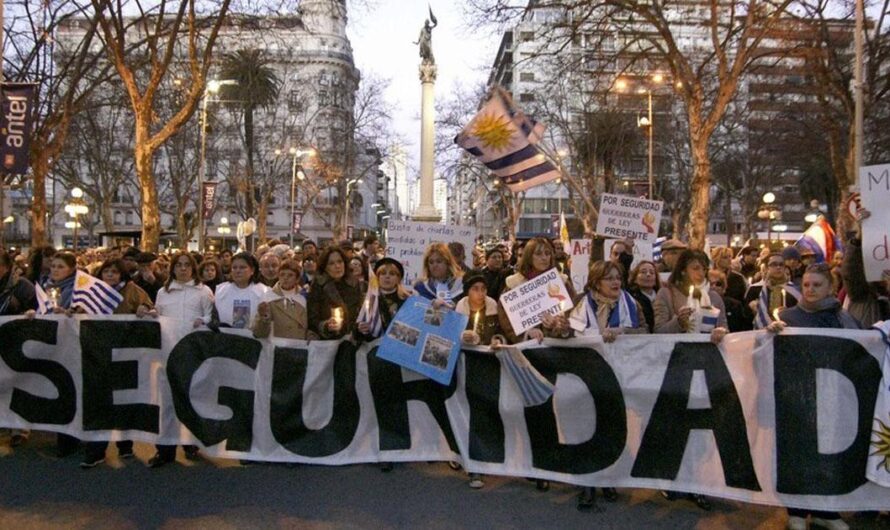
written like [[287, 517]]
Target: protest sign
[[546, 293], [622, 216], [406, 241], [874, 184], [736, 420], [424, 339], [579, 252], [641, 251]]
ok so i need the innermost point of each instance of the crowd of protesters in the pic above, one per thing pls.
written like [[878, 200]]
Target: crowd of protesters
[[316, 292]]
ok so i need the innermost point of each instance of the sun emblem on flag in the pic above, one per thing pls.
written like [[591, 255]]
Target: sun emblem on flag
[[882, 444], [493, 130], [82, 282]]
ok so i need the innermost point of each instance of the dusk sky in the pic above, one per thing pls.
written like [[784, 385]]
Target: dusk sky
[[382, 43]]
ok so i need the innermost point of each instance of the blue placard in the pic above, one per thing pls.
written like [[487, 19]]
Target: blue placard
[[424, 339]]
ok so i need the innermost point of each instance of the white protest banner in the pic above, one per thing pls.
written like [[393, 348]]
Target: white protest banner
[[874, 184], [736, 420], [579, 252], [406, 241], [641, 251], [622, 216], [546, 293]]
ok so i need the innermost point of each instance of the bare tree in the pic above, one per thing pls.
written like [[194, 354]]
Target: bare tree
[[166, 27], [66, 75], [652, 32]]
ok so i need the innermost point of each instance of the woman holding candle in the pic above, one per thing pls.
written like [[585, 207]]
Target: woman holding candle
[[817, 308], [687, 304], [606, 309], [537, 258], [442, 276], [283, 313], [775, 293], [237, 300], [483, 326], [335, 298]]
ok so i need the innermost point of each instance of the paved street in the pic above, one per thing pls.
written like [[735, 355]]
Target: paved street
[[37, 490]]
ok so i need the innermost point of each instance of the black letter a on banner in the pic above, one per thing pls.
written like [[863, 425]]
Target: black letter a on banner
[[666, 436]]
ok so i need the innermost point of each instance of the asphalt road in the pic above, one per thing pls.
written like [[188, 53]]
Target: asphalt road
[[38, 490]]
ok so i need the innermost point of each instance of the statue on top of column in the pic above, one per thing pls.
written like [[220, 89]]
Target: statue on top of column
[[426, 39]]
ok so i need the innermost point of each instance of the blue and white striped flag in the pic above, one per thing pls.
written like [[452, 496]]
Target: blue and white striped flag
[[370, 312], [504, 139], [656, 248], [44, 302], [534, 387], [94, 296]]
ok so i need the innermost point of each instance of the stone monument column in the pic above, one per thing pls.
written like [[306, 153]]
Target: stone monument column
[[426, 210]]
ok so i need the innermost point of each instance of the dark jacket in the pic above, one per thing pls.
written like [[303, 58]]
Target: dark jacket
[[646, 305], [830, 317], [868, 302], [16, 295], [388, 305], [326, 294]]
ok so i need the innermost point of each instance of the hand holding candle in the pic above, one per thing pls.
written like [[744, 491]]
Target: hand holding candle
[[337, 318]]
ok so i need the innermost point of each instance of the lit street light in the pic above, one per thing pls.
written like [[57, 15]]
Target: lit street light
[[346, 214], [647, 122], [212, 87], [75, 209], [770, 212], [296, 174]]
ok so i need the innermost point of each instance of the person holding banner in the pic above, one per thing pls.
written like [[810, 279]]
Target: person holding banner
[[283, 315], [335, 298], [606, 309], [818, 308], [441, 277], [236, 301], [687, 304], [186, 300], [136, 302], [17, 296], [537, 257]]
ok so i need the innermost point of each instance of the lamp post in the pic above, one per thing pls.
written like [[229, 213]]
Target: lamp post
[[75, 208], [295, 175], [768, 211], [346, 214], [648, 122], [212, 87]]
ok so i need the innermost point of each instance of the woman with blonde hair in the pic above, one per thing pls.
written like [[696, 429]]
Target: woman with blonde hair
[[442, 276]]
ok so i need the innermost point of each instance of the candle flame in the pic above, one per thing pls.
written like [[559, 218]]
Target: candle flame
[[776, 314]]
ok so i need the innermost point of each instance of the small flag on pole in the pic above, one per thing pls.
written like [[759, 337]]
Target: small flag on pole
[[534, 387], [370, 312], [504, 139], [44, 302], [94, 296]]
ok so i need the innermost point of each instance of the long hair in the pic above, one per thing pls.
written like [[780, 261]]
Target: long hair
[[36, 259], [678, 276], [525, 262], [193, 264], [251, 261], [454, 270], [116, 263], [321, 271]]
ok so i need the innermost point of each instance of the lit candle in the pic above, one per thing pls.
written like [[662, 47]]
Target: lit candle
[[776, 314], [691, 290], [476, 322], [337, 316], [367, 306], [784, 300]]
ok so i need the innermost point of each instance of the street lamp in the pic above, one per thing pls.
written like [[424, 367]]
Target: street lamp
[[75, 208], [769, 212], [647, 122], [212, 87], [346, 215], [295, 175]]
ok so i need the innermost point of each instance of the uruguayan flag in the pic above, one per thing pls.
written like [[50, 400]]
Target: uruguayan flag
[[370, 312], [878, 469], [504, 139], [656, 248], [821, 239], [45, 304], [94, 296], [534, 387]]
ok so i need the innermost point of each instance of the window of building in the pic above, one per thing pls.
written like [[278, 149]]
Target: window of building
[[527, 76], [526, 36], [294, 101], [526, 97], [118, 218], [129, 218]]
